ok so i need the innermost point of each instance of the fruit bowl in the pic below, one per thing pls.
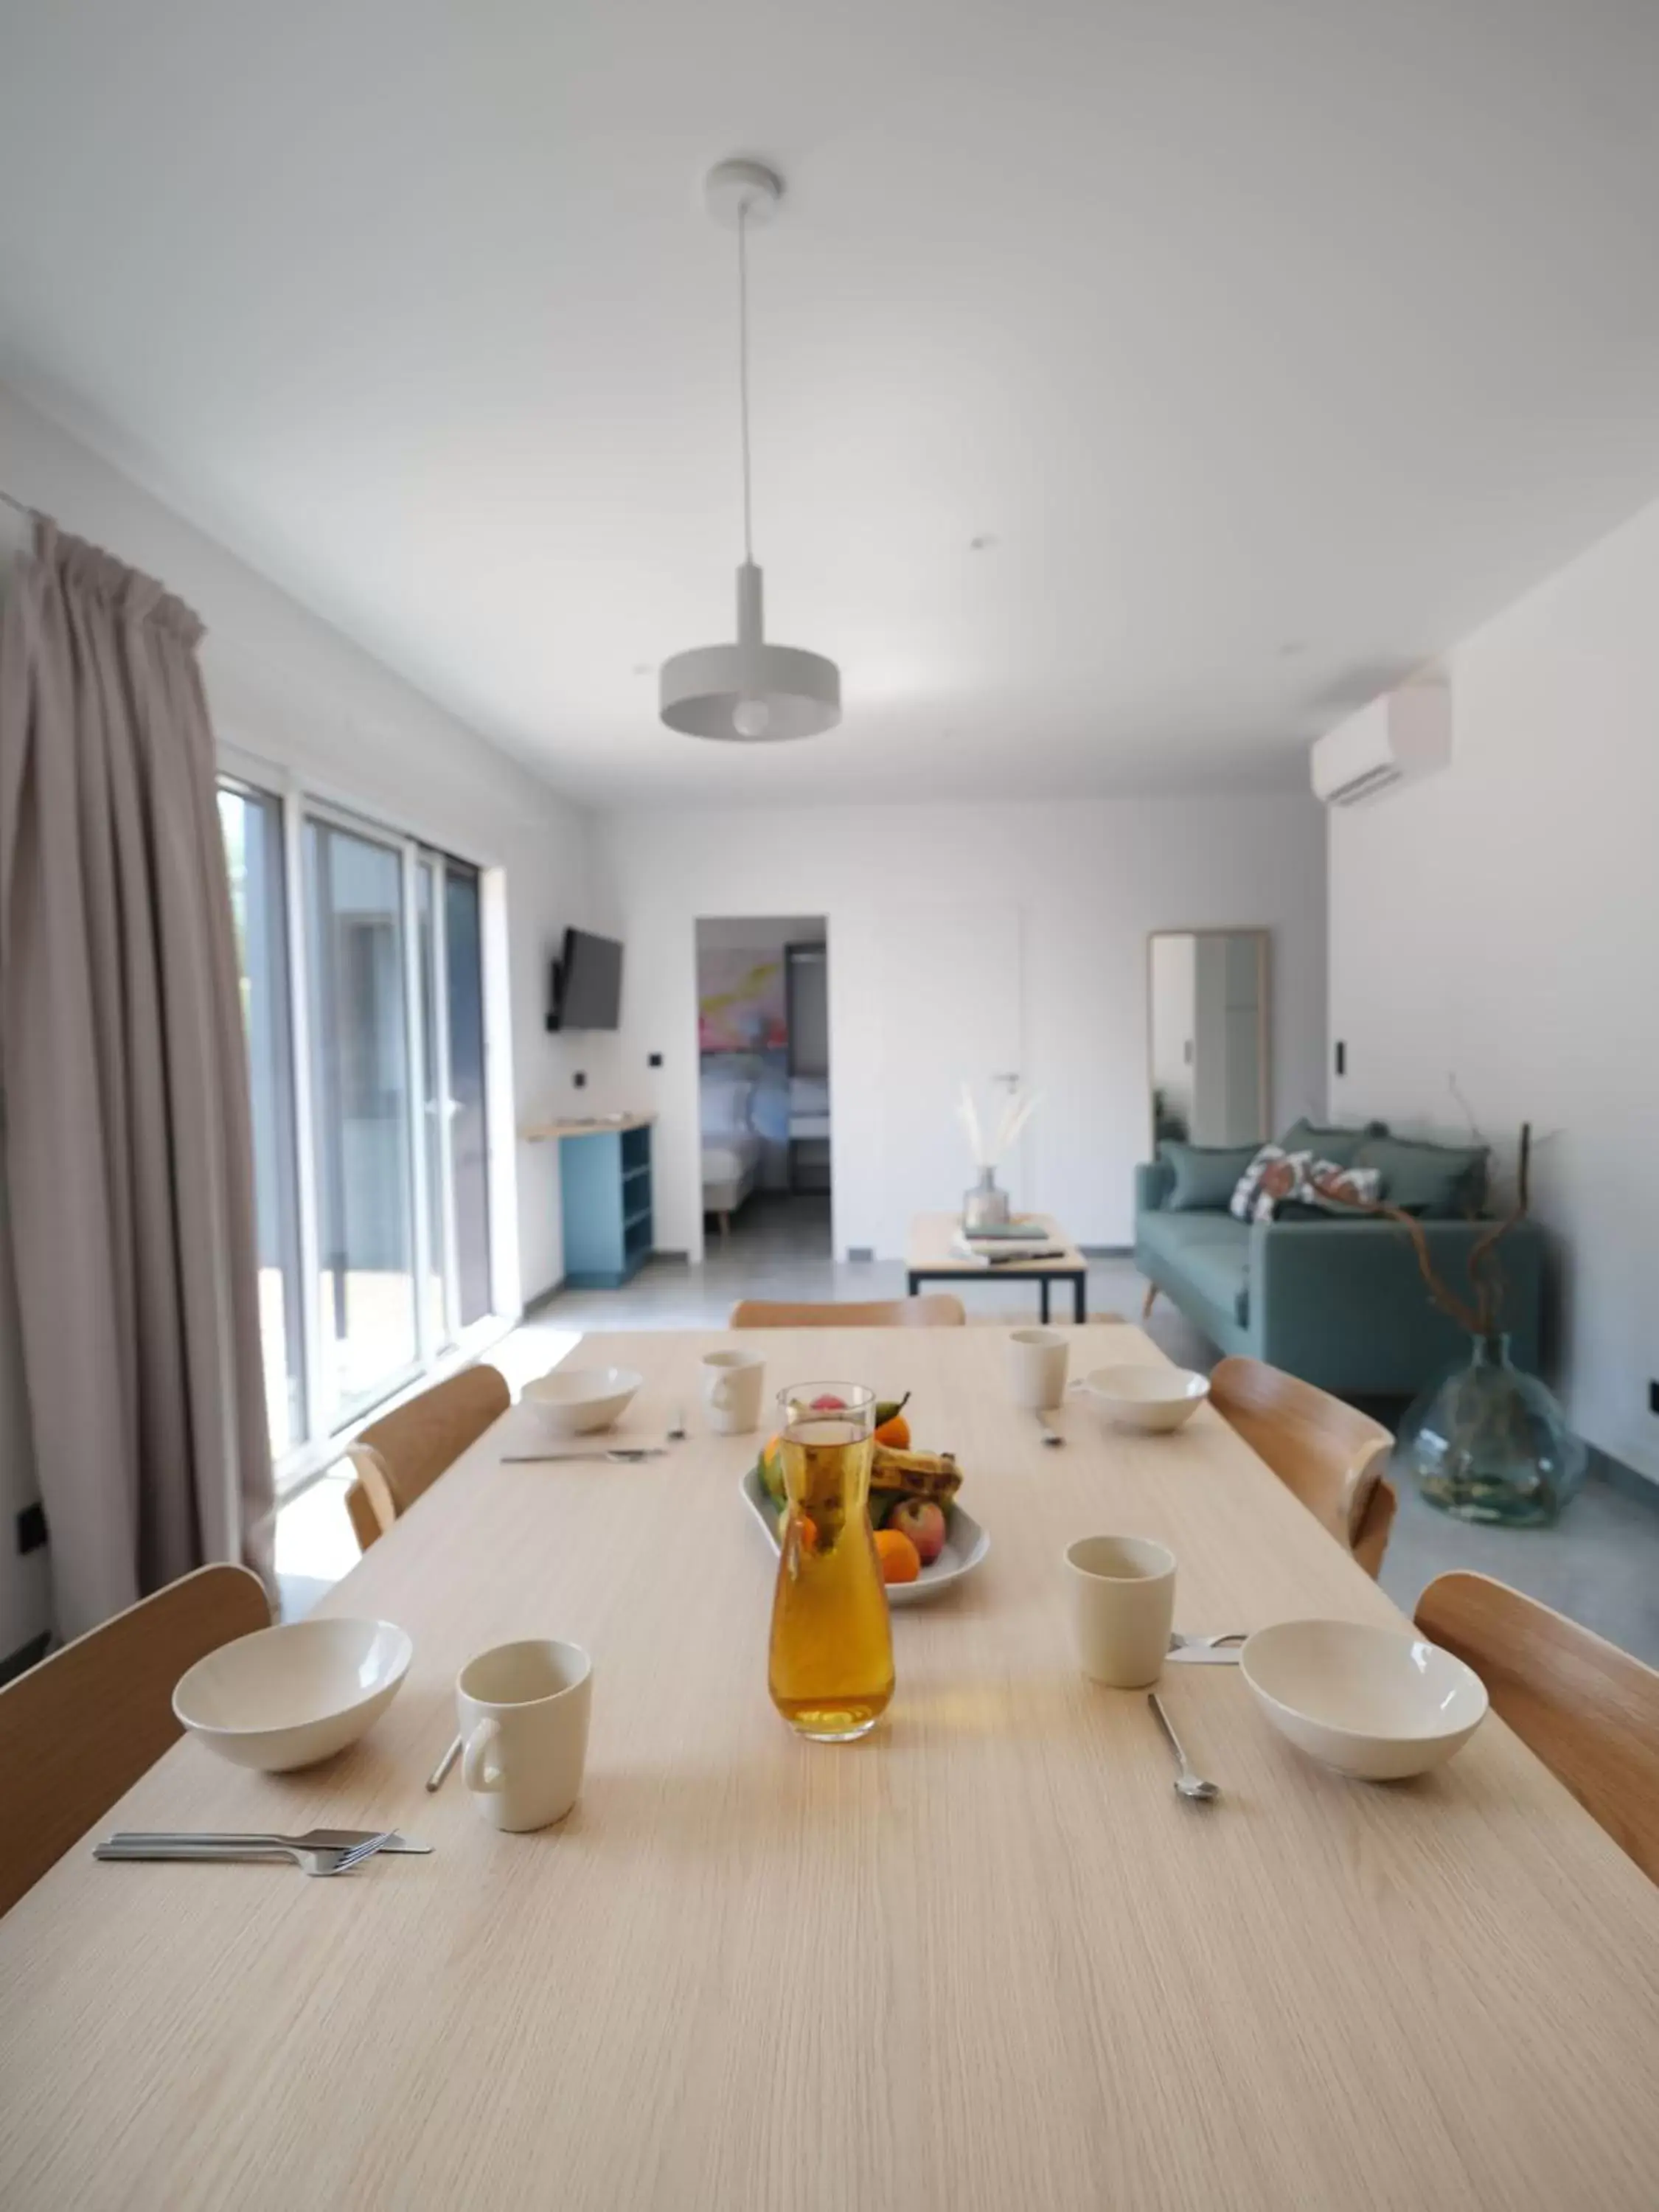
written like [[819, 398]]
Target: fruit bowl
[[965, 1544]]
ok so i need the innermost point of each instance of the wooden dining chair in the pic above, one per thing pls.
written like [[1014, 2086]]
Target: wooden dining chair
[[937, 1309], [398, 1459], [77, 1730], [1330, 1456], [1588, 1710]]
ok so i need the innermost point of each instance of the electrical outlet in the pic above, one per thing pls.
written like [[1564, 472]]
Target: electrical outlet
[[32, 1527], [654, 1060], [579, 1079]]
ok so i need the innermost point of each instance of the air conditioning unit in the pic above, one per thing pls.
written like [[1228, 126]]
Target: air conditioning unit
[[1399, 738]]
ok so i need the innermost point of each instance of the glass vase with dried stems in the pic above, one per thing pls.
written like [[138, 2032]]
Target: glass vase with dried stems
[[1485, 1441]]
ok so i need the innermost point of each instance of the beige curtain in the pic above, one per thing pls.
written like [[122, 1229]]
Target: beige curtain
[[128, 1150]]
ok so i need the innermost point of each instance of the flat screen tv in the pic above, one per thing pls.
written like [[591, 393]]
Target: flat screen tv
[[587, 983]]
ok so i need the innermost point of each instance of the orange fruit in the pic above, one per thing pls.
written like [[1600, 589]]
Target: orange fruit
[[901, 1562], [895, 1434], [809, 1528]]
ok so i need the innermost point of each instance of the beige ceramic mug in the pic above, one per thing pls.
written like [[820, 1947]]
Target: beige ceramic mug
[[523, 1711], [1037, 1367], [732, 1386], [1121, 1590]]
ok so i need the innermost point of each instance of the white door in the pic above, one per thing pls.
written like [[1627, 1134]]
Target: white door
[[951, 1013]]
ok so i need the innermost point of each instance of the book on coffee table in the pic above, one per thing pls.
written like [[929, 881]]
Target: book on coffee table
[[989, 1252]]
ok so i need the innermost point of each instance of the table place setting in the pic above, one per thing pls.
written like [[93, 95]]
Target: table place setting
[[290, 1698]]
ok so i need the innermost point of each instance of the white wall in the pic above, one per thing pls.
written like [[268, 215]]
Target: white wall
[[1091, 879], [284, 686], [1499, 924]]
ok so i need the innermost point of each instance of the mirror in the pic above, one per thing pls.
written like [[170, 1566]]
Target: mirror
[[1207, 1003]]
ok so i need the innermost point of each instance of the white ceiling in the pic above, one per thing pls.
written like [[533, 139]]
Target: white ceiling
[[1275, 342]]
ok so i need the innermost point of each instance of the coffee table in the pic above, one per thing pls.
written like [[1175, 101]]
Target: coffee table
[[929, 1257]]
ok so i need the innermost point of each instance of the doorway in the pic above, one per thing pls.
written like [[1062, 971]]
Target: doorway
[[763, 1082]]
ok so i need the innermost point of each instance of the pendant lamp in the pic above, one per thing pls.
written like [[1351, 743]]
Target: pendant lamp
[[750, 692]]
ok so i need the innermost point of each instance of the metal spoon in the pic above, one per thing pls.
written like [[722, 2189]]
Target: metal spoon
[[1051, 1435], [1187, 1784]]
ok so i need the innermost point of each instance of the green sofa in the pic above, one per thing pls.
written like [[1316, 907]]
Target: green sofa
[[1340, 1303]]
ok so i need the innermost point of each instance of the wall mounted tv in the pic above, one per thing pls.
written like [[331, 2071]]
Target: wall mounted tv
[[586, 984]]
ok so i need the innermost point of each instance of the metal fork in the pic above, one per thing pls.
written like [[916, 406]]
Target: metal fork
[[320, 1859]]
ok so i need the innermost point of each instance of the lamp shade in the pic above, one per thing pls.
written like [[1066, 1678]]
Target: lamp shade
[[750, 693]]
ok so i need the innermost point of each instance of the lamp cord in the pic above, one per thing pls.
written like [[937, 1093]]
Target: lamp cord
[[742, 368]]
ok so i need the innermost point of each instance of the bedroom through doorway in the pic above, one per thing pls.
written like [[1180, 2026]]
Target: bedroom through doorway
[[763, 1085]]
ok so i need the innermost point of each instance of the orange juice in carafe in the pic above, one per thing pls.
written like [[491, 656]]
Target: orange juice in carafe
[[831, 1663]]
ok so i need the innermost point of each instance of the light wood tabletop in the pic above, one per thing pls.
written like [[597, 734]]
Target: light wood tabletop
[[986, 1959]]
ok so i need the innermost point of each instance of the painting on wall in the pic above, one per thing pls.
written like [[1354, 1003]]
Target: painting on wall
[[740, 1002]]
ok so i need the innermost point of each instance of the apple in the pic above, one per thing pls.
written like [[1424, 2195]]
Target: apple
[[923, 1522]]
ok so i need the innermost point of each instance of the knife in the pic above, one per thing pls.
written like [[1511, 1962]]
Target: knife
[[316, 1839]]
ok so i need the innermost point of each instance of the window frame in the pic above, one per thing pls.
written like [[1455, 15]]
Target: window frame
[[301, 801]]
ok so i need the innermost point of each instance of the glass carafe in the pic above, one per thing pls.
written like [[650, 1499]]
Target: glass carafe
[[831, 1661]]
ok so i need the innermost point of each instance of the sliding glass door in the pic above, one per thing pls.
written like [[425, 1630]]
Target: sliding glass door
[[469, 1150], [252, 824], [450, 938], [367, 1072], [358, 1024]]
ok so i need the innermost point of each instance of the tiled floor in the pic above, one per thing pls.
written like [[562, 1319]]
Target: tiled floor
[[1601, 1565]]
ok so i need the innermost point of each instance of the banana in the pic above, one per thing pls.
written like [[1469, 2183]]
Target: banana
[[917, 1474]]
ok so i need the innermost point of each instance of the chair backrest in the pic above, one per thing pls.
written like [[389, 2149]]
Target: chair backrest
[[1330, 1456], [937, 1309], [1588, 1710], [397, 1459], [78, 1730]]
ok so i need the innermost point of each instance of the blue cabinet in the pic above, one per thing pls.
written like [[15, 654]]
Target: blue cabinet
[[604, 1182]]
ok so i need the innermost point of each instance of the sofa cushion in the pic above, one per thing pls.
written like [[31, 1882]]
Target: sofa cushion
[[1206, 1175], [1210, 1251], [1325, 1192], [1338, 1144], [1271, 1176], [1441, 1182]]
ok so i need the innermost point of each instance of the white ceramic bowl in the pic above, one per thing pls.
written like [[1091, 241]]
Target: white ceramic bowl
[[573, 1401], [1152, 1399], [288, 1696], [1377, 1703]]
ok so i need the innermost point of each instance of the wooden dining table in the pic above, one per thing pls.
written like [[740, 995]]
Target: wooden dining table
[[985, 1958]]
